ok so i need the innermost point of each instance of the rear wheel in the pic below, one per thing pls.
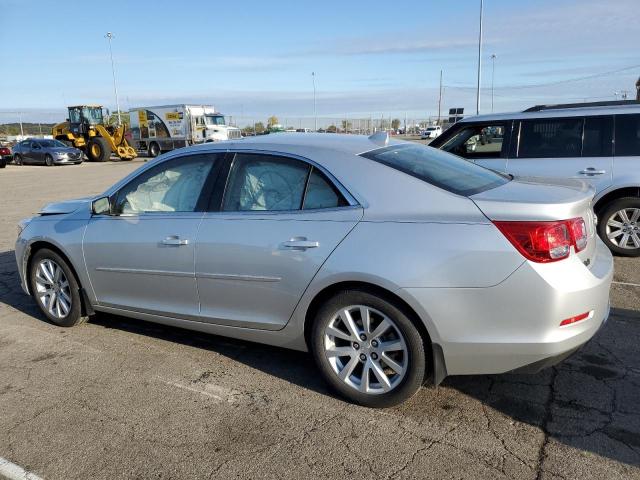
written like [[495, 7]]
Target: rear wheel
[[368, 349], [154, 149], [619, 226], [17, 159], [55, 289], [98, 150], [48, 160]]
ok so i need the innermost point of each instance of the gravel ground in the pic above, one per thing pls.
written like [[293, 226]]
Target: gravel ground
[[121, 398]]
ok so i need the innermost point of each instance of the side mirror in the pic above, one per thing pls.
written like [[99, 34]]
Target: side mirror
[[101, 206]]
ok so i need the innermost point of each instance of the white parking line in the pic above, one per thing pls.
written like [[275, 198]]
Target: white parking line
[[15, 472], [627, 284]]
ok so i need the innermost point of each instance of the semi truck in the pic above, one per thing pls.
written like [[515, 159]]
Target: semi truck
[[159, 129]]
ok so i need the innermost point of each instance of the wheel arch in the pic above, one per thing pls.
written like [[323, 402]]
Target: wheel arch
[[433, 350], [36, 246], [604, 200]]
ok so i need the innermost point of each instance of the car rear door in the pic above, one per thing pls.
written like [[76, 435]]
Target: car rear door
[[572, 147], [258, 250], [141, 257]]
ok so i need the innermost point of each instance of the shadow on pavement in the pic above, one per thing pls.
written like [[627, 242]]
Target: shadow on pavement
[[589, 402]]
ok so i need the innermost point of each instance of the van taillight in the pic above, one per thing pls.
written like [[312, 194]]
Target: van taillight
[[546, 241]]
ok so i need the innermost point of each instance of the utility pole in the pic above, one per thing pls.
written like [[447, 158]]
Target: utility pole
[[493, 73], [440, 98], [315, 114], [479, 61], [109, 36]]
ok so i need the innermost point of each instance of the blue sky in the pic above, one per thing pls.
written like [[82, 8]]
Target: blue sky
[[255, 58]]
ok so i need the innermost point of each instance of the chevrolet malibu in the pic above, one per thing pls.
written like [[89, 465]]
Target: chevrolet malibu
[[392, 262]]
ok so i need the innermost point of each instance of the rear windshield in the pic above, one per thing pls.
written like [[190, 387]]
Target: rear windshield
[[438, 168]]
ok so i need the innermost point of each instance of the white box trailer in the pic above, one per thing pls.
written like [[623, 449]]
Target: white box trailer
[[163, 128]]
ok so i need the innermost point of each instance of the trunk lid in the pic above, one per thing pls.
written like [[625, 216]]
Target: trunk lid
[[541, 199]]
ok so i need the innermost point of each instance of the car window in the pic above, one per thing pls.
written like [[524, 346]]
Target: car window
[[173, 186], [550, 138], [597, 138], [438, 168], [321, 193], [478, 141], [627, 135], [265, 183]]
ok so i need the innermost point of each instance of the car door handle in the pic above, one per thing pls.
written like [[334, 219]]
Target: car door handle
[[592, 171], [175, 240], [300, 243]]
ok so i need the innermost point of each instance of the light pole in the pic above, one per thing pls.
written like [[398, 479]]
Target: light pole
[[109, 36], [479, 61], [493, 73], [315, 115]]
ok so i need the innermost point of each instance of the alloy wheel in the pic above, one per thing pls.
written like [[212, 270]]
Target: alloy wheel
[[623, 228], [52, 288], [366, 349]]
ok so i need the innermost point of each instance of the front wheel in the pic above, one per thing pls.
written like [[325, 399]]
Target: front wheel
[[619, 226], [55, 289], [48, 160], [154, 150], [98, 150], [17, 159], [368, 349]]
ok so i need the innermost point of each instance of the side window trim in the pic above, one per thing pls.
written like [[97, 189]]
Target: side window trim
[[220, 190]]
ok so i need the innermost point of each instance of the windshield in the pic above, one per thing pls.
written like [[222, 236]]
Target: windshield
[[430, 129], [52, 144], [214, 119], [438, 168]]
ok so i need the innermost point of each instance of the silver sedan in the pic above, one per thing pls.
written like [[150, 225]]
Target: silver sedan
[[392, 262]]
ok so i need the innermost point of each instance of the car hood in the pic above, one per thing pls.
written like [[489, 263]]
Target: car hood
[[66, 206], [535, 198]]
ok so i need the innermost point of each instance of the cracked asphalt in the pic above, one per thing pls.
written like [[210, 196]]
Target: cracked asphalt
[[121, 398]]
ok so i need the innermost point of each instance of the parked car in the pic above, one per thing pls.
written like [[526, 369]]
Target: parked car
[[46, 152], [433, 131], [392, 262], [5, 156], [566, 141]]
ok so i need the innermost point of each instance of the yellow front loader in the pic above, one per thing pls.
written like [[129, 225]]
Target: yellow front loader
[[85, 129]]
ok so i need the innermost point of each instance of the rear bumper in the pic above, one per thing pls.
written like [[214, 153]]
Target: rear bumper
[[516, 325]]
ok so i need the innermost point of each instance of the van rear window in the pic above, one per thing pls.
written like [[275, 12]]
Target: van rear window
[[438, 168]]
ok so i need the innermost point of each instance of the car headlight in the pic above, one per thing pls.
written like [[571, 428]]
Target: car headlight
[[22, 224], [61, 154]]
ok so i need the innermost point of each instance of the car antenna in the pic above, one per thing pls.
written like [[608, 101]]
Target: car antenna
[[381, 138]]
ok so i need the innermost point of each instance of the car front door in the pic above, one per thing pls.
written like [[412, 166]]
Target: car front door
[[141, 256], [279, 220], [574, 147], [486, 144]]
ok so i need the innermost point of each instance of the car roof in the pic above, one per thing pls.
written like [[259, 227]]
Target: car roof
[[290, 142], [557, 112]]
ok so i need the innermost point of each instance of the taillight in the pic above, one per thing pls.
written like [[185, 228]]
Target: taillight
[[579, 233], [546, 241], [577, 318]]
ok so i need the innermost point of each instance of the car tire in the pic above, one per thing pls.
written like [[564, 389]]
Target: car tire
[[612, 226], [154, 150], [48, 160], [404, 367], [98, 150], [3, 163], [17, 159], [55, 289]]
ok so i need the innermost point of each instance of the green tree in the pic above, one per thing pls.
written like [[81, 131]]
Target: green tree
[[395, 123], [331, 129], [259, 127], [272, 120], [346, 125]]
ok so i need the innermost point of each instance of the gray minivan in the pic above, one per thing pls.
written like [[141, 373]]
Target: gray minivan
[[598, 142]]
